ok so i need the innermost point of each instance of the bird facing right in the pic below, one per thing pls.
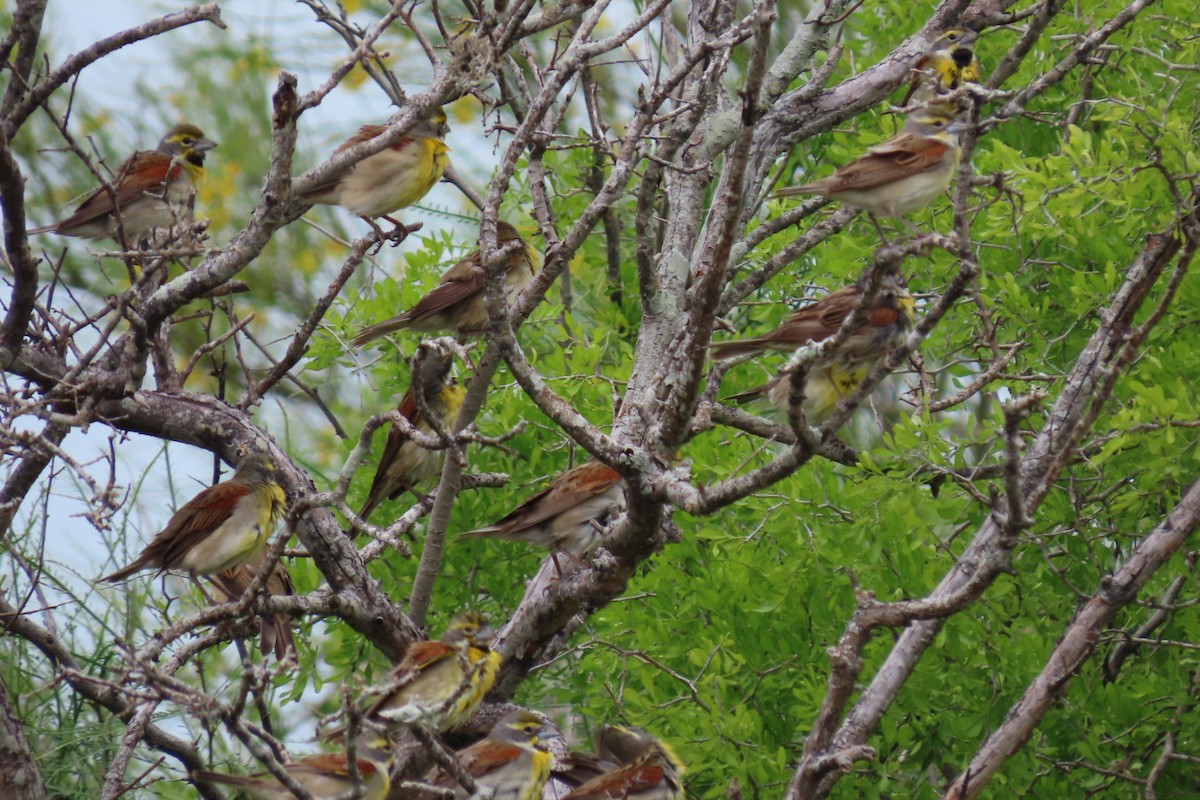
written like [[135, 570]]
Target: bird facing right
[[512, 761], [150, 190], [568, 515], [904, 174], [223, 526], [888, 320], [949, 63], [430, 683], [394, 178], [458, 304]]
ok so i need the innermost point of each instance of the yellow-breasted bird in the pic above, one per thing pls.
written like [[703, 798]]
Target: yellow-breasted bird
[[441, 682], [888, 320], [948, 64], [512, 761], [649, 768], [569, 514], [394, 178], [457, 303], [906, 173], [325, 776], [223, 526], [404, 463], [275, 630], [150, 190]]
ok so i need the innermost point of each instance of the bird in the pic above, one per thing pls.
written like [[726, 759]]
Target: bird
[[905, 173], [513, 761], [325, 776], [151, 190], [648, 768], [404, 462], [948, 64], [888, 320], [457, 304], [394, 178], [441, 683], [568, 515], [275, 630], [223, 526]]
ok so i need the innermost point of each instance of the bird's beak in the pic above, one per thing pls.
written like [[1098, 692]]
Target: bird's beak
[[204, 144], [958, 126]]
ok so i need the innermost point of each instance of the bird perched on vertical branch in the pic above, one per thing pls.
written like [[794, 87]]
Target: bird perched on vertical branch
[[512, 761], [441, 683], [396, 177], [325, 776], [151, 190], [906, 173], [223, 526], [404, 462], [888, 319], [570, 514], [649, 768], [275, 629], [458, 303], [948, 64]]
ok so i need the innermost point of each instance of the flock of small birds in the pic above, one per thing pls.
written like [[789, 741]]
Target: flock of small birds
[[221, 534]]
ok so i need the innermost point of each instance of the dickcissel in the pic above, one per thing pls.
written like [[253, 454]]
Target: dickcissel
[[649, 768], [325, 776], [458, 304], [150, 190], [512, 761], [949, 63], [275, 630], [441, 682], [888, 320], [223, 526], [569, 514], [393, 178], [405, 463], [903, 174]]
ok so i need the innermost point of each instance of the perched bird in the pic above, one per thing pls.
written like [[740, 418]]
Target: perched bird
[[888, 320], [569, 514], [325, 776], [405, 463], [512, 761], [949, 63], [150, 190], [391, 179], [457, 304], [442, 683], [223, 526], [649, 769], [903, 174], [275, 630]]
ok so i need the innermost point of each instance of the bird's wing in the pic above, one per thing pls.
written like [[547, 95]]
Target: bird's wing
[[462, 281], [564, 493], [146, 171], [899, 157], [193, 523], [365, 134]]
